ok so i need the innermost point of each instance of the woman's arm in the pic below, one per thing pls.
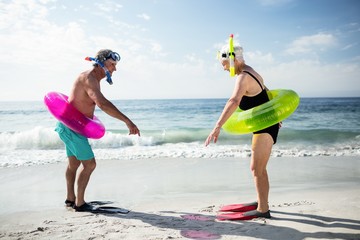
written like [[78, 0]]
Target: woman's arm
[[230, 107]]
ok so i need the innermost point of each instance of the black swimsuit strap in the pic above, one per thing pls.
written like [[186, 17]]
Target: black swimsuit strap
[[255, 79]]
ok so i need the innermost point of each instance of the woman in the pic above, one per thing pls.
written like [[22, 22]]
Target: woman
[[249, 91]]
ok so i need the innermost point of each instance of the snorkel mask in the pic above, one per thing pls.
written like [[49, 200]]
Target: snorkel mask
[[111, 55], [229, 52], [231, 55]]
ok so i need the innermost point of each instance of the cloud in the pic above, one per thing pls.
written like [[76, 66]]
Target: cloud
[[19, 14], [156, 47], [353, 27], [274, 2], [259, 57], [307, 77], [306, 44], [349, 46], [43, 44], [44, 50], [40, 54], [108, 6], [144, 16]]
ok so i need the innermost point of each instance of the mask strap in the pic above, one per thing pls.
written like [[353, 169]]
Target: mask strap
[[107, 73]]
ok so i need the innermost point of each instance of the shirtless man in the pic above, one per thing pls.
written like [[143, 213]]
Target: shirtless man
[[85, 94]]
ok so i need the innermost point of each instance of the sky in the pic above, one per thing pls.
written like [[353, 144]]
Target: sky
[[168, 47]]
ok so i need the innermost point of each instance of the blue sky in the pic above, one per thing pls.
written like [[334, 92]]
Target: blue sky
[[168, 47]]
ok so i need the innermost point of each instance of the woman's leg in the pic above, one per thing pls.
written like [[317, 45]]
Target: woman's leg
[[261, 149]]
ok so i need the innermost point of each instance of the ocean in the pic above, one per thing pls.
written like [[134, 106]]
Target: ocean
[[177, 128]]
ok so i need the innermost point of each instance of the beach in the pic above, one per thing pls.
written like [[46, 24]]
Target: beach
[[172, 184], [179, 198], [175, 77]]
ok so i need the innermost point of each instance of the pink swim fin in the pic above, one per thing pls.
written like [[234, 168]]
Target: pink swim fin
[[241, 207], [243, 215]]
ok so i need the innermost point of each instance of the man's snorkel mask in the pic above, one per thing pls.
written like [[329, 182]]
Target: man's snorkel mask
[[100, 59]]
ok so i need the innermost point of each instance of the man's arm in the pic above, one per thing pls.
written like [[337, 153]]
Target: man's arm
[[93, 90]]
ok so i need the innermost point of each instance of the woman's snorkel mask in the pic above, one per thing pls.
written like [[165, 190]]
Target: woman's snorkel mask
[[111, 55], [228, 52]]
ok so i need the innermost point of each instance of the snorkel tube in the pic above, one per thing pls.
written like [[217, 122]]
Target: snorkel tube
[[108, 76], [231, 55]]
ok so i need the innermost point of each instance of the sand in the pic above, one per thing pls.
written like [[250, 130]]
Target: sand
[[310, 198]]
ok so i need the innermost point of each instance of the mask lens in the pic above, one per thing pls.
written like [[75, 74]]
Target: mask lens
[[115, 56], [226, 55]]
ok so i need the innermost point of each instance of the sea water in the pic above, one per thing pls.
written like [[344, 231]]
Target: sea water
[[177, 128]]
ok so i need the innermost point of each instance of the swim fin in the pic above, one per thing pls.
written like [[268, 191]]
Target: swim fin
[[100, 203], [71, 204], [243, 215], [109, 209], [241, 207], [104, 209]]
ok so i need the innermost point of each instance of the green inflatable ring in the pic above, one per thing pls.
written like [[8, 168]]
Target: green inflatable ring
[[281, 105]]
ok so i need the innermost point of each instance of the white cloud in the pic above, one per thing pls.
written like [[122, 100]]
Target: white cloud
[[27, 37], [43, 52], [46, 1], [305, 44], [259, 58], [353, 27], [190, 78], [314, 79], [108, 6], [274, 2], [349, 46], [20, 14], [144, 16], [156, 47]]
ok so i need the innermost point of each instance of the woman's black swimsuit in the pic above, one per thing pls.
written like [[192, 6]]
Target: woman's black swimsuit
[[250, 102]]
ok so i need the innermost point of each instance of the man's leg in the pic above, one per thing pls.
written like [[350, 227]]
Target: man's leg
[[88, 167], [70, 174]]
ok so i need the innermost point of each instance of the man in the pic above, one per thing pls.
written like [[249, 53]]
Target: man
[[85, 94]]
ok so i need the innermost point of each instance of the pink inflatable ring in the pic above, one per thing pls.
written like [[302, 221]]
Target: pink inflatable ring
[[62, 110]]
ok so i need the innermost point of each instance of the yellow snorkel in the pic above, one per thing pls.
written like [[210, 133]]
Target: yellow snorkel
[[231, 55]]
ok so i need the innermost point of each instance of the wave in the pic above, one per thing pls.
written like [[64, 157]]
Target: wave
[[42, 145], [42, 138], [26, 157], [36, 138]]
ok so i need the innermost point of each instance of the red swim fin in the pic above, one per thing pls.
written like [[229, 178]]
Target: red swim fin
[[241, 207], [243, 215]]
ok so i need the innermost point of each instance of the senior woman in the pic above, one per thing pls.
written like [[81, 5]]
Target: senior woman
[[249, 92]]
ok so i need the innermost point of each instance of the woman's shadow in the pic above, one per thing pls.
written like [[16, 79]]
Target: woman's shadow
[[206, 227]]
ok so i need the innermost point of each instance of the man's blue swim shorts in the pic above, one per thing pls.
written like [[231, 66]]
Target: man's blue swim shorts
[[75, 144]]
